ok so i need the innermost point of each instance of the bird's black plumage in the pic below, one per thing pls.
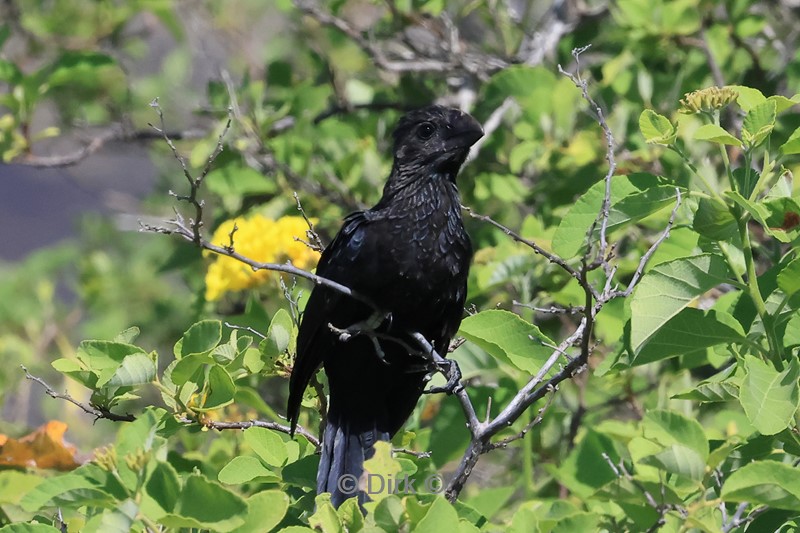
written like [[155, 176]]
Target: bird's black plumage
[[410, 256]]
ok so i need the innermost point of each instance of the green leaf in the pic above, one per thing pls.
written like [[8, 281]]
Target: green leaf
[[489, 501], [789, 277], [764, 483], [381, 472], [791, 336], [782, 103], [29, 528], [350, 515], [127, 336], [238, 180], [441, 516], [748, 97], [668, 288], [713, 133], [585, 470], [721, 391], [65, 490], [758, 123], [689, 331], [116, 520], [267, 444], [389, 513], [101, 356], [200, 338], [669, 428], [770, 398], [508, 338], [714, 220], [632, 198], [220, 389], [244, 468], [680, 460], [656, 129], [78, 68], [792, 144], [279, 336], [161, 490], [205, 504], [135, 369], [9, 72], [577, 522], [265, 510], [325, 518]]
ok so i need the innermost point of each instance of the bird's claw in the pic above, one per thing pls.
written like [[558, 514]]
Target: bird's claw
[[452, 372]]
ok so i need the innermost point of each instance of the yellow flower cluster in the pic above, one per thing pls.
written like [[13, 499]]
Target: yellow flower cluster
[[261, 239], [707, 99]]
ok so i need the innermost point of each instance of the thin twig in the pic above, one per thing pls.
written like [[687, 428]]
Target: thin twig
[[221, 426], [637, 275], [602, 257], [316, 243], [247, 329], [553, 310], [412, 453], [553, 258], [98, 411], [530, 425]]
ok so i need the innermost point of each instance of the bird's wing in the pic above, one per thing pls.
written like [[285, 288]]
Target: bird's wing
[[314, 339]]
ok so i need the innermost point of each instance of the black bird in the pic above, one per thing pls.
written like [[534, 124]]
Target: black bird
[[410, 256]]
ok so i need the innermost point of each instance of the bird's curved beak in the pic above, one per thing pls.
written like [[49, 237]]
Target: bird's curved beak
[[464, 132]]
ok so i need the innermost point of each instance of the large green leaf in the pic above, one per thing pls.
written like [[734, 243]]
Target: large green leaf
[[244, 468], [669, 428], [265, 510], [65, 490], [714, 220], [205, 504], [29, 528], [770, 398], [441, 516], [135, 369], [633, 198], [689, 331], [200, 338], [585, 470], [668, 288], [267, 444], [678, 459], [764, 483], [713, 133], [509, 338]]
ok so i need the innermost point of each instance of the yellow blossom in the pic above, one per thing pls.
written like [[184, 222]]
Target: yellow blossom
[[708, 99], [261, 239]]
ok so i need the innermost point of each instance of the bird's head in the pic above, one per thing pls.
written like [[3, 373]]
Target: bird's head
[[436, 138]]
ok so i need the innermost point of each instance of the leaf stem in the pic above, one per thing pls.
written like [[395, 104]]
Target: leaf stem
[[677, 150], [755, 294]]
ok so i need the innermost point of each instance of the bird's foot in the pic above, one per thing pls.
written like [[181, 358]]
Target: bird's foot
[[367, 328], [452, 372]]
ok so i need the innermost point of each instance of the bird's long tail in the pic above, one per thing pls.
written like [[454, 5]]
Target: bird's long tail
[[345, 447]]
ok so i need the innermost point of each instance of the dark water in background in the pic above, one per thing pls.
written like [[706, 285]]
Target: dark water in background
[[39, 207]]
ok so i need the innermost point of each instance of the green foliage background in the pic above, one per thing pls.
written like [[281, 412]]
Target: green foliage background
[[687, 415]]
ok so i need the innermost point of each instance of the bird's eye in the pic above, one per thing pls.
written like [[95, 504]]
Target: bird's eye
[[426, 130]]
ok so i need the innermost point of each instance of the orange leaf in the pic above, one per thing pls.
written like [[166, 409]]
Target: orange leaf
[[43, 448]]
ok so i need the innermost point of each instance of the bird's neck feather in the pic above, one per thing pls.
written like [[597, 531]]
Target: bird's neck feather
[[408, 191]]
